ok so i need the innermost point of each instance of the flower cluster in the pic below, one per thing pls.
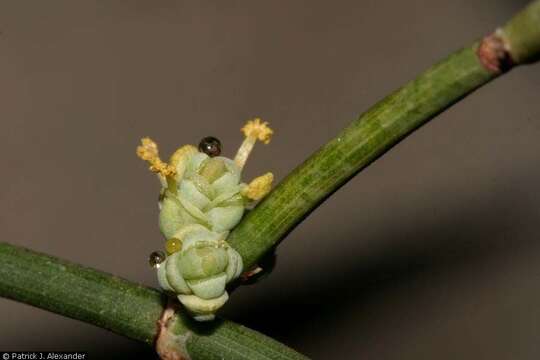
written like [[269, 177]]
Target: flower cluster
[[202, 199]]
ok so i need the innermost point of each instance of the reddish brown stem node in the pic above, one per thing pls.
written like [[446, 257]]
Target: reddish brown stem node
[[168, 345], [494, 55]]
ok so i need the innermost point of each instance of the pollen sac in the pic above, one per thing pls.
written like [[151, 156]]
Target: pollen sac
[[156, 258], [210, 146]]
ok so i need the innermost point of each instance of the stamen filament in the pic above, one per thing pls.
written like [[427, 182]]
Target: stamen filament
[[253, 130]]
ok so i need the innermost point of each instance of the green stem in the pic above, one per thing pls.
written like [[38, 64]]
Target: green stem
[[522, 34], [121, 306], [380, 128]]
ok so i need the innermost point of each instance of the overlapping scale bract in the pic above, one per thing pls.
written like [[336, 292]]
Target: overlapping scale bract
[[198, 208]]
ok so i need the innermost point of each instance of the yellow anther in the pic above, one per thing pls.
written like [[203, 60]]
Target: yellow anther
[[253, 130], [259, 187], [148, 151], [181, 153], [258, 129]]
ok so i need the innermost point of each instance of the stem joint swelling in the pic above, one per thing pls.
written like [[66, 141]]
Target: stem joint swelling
[[494, 53], [168, 345], [383, 126]]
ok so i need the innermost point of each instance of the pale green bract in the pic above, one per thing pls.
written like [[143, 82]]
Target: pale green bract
[[201, 200], [199, 209]]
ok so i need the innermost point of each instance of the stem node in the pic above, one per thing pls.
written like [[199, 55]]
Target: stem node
[[170, 346], [494, 54]]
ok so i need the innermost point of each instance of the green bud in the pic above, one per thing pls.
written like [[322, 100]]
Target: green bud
[[212, 169], [201, 200], [209, 287], [202, 262], [173, 275], [203, 205]]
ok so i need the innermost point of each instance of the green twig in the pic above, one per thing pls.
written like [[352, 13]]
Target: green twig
[[121, 306], [382, 127]]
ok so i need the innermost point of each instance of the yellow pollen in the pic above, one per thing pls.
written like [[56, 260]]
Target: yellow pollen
[[259, 187], [258, 129], [148, 151]]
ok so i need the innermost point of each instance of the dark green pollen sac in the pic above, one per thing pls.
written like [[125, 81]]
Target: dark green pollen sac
[[212, 169]]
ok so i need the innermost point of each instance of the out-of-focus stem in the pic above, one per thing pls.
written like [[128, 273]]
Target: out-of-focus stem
[[382, 127]]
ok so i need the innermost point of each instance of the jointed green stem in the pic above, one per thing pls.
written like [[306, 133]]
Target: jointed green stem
[[522, 34], [122, 306], [376, 131]]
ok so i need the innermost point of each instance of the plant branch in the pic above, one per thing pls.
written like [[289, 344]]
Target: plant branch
[[382, 127], [123, 307]]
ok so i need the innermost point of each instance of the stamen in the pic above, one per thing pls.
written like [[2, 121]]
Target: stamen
[[148, 151], [259, 187], [253, 130]]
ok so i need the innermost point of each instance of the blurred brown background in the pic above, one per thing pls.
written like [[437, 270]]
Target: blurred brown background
[[432, 252]]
